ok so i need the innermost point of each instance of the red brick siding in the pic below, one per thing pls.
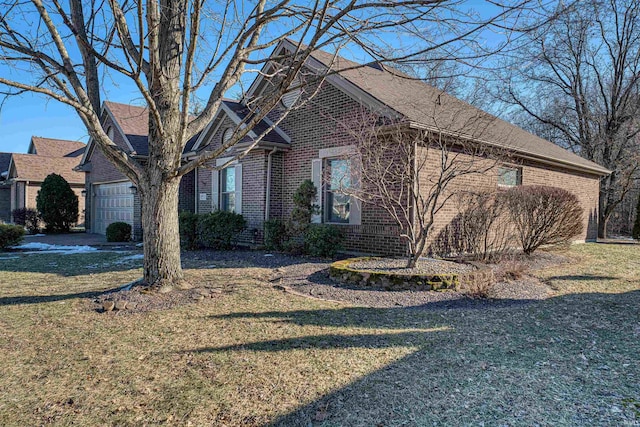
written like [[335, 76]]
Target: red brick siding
[[584, 186]]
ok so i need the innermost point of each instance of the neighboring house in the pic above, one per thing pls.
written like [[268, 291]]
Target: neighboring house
[[5, 188], [26, 172], [308, 142], [111, 197]]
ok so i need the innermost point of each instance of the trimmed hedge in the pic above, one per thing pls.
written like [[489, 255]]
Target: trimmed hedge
[[188, 224], [118, 232], [275, 234], [220, 229], [10, 235], [323, 240]]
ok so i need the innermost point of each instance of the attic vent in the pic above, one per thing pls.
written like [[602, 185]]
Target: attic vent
[[289, 98], [226, 136]]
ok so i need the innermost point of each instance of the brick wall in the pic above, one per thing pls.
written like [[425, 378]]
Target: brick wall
[[584, 186], [312, 128]]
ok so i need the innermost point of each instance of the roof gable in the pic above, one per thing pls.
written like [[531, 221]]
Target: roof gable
[[51, 147], [32, 167], [240, 114]]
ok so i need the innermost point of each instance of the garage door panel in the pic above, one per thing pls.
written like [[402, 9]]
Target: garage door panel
[[113, 202]]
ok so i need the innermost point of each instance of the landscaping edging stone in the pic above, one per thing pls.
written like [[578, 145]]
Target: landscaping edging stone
[[342, 272]]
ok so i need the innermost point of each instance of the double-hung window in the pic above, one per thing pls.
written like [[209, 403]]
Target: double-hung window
[[228, 189], [509, 176], [337, 203]]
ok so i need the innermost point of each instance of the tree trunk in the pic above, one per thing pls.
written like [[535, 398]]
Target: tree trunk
[[603, 216], [162, 266]]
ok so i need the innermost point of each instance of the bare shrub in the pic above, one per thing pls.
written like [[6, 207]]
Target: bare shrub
[[543, 215], [478, 283], [512, 270], [481, 229]]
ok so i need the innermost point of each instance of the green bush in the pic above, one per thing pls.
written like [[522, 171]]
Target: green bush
[[304, 208], [323, 240], [118, 232], [219, 229], [188, 222], [10, 235], [57, 204], [27, 217], [275, 234]]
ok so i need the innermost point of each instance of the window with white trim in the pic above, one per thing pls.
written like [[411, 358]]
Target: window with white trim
[[337, 207], [228, 189], [509, 176]]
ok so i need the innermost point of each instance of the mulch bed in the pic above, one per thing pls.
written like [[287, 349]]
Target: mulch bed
[[309, 277]]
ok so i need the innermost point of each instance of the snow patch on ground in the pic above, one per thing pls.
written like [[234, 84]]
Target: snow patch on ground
[[57, 249], [35, 235]]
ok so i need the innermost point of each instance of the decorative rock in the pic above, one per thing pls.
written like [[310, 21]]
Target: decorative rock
[[343, 272], [121, 305], [108, 305]]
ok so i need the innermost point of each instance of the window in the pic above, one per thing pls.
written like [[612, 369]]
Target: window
[[228, 189], [337, 204], [509, 176]]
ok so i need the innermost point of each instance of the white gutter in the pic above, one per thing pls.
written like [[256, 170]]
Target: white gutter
[[268, 195]]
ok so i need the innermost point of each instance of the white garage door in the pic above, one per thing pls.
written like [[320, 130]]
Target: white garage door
[[112, 203]]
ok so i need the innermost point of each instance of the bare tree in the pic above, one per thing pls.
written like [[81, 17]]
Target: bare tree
[[412, 173], [581, 87], [175, 51]]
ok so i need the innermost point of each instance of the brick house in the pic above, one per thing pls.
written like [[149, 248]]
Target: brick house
[[307, 143], [25, 173]]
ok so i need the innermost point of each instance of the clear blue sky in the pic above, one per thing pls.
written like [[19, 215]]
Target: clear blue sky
[[26, 115]]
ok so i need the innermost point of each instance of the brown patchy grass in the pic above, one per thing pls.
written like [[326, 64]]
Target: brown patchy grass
[[258, 356]]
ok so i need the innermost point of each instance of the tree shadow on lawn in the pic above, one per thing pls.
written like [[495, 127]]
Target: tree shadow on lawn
[[38, 299], [69, 265], [569, 360], [581, 277]]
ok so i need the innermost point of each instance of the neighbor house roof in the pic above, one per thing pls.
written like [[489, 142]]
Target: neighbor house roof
[[32, 167], [134, 122], [431, 108], [5, 159], [51, 147]]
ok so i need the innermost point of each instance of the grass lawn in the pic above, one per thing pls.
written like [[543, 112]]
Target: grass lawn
[[258, 356]]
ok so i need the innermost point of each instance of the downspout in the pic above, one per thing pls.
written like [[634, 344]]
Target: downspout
[[268, 195]]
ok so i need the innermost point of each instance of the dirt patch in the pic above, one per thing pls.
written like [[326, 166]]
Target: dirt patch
[[140, 299]]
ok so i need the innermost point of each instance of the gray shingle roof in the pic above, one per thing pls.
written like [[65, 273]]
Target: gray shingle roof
[[432, 108]]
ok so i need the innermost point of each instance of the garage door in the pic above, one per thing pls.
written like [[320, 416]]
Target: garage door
[[112, 203]]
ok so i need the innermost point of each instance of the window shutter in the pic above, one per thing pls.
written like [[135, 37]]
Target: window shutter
[[355, 209], [238, 204], [215, 190], [316, 178]]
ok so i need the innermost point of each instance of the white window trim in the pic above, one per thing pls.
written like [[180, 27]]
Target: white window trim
[[215, 183], [355, 214]]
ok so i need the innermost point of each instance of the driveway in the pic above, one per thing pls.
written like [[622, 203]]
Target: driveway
[[78, 239]]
